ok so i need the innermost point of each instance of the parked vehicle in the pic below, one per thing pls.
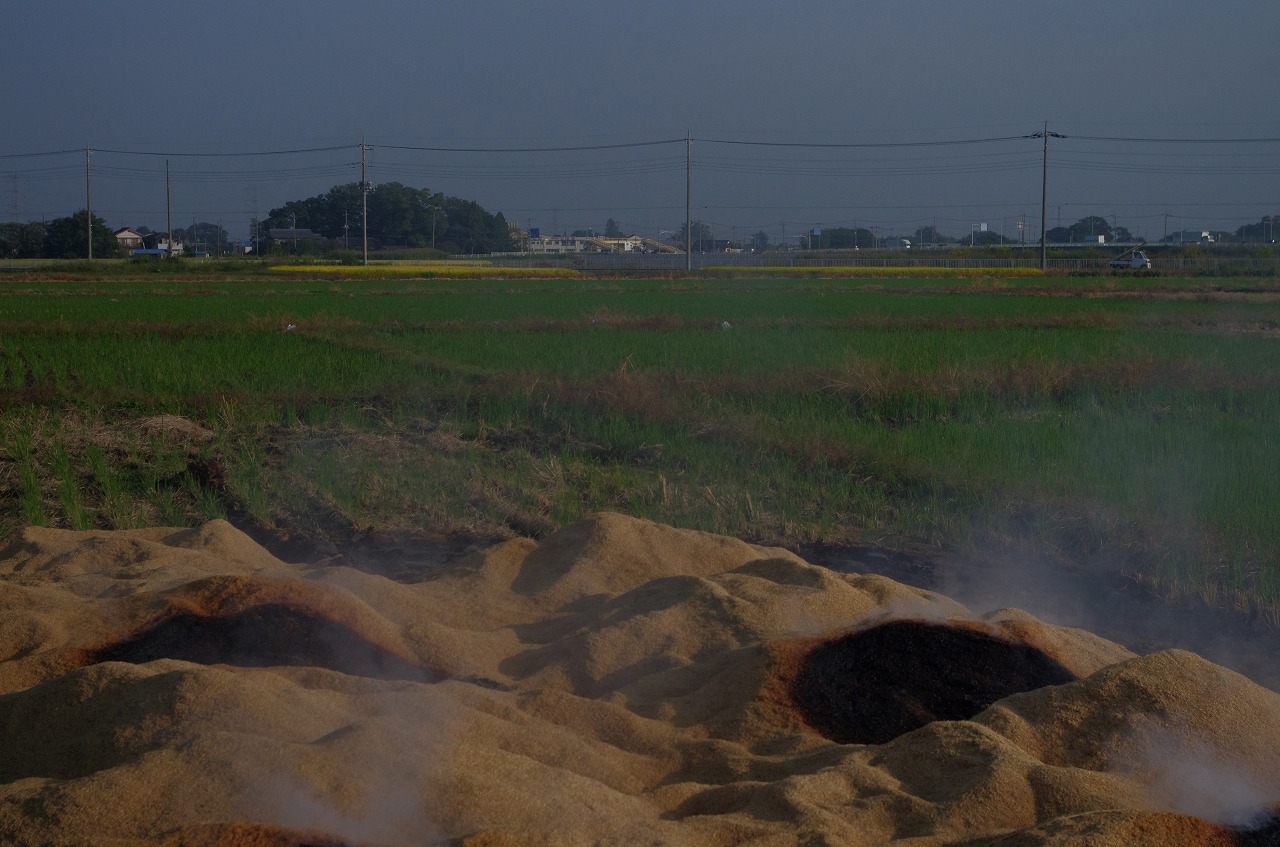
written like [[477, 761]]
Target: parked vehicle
[[1132, 259]]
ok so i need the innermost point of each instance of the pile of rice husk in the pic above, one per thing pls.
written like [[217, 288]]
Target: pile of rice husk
[[619, 682]]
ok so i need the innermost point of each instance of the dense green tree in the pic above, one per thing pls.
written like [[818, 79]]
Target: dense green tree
[[211, 238], [844, 238], [1264, 230], [759, 242], [612, 230], [986, 237], [930, 235], [700, 236], [398, 216], [1089, 228], [22, 240], [67, 238]]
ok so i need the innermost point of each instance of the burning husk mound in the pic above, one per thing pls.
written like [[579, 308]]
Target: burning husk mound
[[619, 682]]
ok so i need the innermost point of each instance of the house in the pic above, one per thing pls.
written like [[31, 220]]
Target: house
[[128, 239], [558, 244], [594, 244], [160, 241]]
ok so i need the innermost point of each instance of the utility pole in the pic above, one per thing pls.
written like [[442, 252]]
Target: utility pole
[[168, 209], [88, 201], [1044, 194], [364, 200], [688, 201]]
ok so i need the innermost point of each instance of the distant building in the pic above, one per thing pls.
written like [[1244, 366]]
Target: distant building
[[560, 244], [596, 244], [161, 241], [128, 239]]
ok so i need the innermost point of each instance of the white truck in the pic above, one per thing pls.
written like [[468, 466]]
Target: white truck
[[1132, 259]]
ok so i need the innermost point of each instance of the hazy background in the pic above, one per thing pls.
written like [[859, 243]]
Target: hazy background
[[266, 77]]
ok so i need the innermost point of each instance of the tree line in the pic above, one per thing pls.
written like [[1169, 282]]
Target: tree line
[[60, 238], [398, 216]]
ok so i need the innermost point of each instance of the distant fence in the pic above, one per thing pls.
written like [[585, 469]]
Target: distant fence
[[675, 263]]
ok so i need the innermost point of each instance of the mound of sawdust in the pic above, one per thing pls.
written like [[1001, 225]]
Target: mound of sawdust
[[620, 682]]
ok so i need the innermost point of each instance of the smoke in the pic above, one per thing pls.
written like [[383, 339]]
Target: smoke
[[1090, 592], [384, 813], [1188, 775], [373, 781]]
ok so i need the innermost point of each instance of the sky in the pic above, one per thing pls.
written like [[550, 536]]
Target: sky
[[224, 93]]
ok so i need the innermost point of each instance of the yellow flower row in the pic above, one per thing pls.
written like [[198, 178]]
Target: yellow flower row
[[877, 272], [435, 270]]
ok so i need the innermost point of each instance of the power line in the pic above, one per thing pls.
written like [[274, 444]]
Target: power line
[[866, 144], [530, 149], [1124, 140], [227, 155], [44, 153]]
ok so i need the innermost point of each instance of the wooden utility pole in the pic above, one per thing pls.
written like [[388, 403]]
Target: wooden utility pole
[[1044, 194], [688, 202], [1044, 201], [364, 200], [168, 209], [88, 201]]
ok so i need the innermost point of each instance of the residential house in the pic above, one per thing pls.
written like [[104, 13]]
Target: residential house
[[128, 239], [161, 241]]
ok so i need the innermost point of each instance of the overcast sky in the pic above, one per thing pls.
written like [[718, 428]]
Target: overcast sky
[[280, 75]]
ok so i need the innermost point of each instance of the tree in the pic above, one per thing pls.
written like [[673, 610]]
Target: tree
[[987, 237], [844, 238], [67, 238], [759, 242], [1264, 230], [611, 229], [211, 238], [399, 216], [22, 241], [1085, 230], [930, 235], [699, 236]]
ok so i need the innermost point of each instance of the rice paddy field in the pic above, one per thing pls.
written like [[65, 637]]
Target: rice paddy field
[[1129, 421]]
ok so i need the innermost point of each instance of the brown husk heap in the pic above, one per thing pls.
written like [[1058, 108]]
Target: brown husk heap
[[619, 682]]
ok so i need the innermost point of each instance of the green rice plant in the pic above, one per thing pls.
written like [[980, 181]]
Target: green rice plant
[[168, 508], [250, 478], [117, 509], [21, 434], [69, 494], [32, 511], [206, 503]]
